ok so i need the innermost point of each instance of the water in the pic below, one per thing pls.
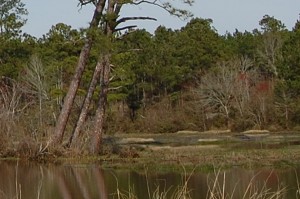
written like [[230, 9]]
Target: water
[[33, 181]]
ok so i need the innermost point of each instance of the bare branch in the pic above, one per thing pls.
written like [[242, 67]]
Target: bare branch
[[85, 2], [124, 19], [115, 88], [125, 28]]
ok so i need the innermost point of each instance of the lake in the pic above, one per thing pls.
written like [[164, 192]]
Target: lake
[[32, 181]]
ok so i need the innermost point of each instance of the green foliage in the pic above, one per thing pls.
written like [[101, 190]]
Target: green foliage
[[11, 20], [197, 45], [149, 68], [13, 54], [241, 44], [270, 24], [290, 66]]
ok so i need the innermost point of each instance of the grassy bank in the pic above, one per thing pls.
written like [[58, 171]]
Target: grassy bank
[[165, 151], [203, 158]]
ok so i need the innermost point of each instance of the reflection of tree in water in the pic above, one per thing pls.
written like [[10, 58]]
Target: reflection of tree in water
[[82, 182], [29, 181]]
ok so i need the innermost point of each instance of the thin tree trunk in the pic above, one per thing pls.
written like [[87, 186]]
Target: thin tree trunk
[[100, 113], [83, 58], [86, 104]]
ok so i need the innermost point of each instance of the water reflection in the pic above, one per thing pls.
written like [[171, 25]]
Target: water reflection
[[27, 181]]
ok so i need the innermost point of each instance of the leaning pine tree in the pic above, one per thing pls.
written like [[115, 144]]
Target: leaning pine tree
[[107, 20]]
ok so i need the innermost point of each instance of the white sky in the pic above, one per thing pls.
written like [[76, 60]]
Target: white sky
[[227, 15]]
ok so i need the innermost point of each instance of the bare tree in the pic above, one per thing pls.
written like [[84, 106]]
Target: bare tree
[[283, 102], [217, 90], [227, 87], [272, 41], [270, 51], [262, 101], [246, 75], [35, 83], [10, 103]]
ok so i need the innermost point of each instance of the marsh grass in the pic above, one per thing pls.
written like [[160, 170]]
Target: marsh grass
[[217, 189], [298, 185], [180, 192], [18, 187]]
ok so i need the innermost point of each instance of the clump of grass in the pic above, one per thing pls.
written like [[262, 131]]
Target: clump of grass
[[181, 191], [130, 194], [217, 190]]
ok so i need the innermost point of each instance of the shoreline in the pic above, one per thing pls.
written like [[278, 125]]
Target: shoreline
[[192, 150]]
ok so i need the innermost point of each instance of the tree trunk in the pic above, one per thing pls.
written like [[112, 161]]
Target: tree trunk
[[83, 58], [100, 113], [86, 104], [113, 8]]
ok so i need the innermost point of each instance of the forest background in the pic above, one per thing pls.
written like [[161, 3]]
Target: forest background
[[187, 79]]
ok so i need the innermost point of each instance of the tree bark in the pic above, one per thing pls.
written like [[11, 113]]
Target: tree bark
[[113, 8], [73, 141], [83, 58], [97, 134]]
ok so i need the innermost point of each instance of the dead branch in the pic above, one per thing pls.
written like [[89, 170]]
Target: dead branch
[[125, 28], [85, 2], [115, 88], [124, 19]]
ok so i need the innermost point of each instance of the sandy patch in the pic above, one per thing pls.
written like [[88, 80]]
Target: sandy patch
[[205, 132], [188, 132], [217, 131], [255, 131], [208, 140], [136, 140], [175, 148]]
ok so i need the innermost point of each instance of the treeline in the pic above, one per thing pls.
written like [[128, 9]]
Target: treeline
[[171, 80]]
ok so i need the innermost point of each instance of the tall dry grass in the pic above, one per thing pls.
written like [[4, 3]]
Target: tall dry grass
[[217, 189], [181, 191]]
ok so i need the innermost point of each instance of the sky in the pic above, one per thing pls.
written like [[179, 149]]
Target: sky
[[227, 15]]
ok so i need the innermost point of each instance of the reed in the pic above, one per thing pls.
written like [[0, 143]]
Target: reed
[[181, 191], [217, 189]]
